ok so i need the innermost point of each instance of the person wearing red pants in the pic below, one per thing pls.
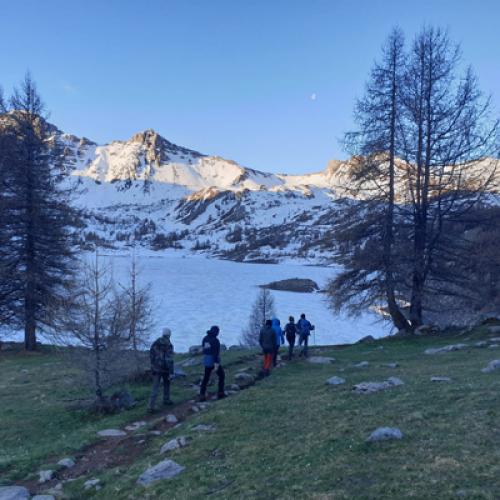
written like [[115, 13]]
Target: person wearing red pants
[[267, 340]]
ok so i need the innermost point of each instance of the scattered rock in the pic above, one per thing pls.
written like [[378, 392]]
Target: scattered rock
[[440, 379], [299, 285], [195, 350], [111, 433], [194, 409], [391, 365], [155, 433], [171, 419], [203, 406], [494, 328], [122, 400], [45, 475], [447, 348], [335, 381], [179, 373], [361, 364], [43, 497], [482, 343], [166, 469], [67, 463], [135, 425], [371, 387], [244, 379], [493, 346], [234, 387], [174, 444], [368, 338], [191, 362], [492, 366], [320, 360], [385, 434], [92, 483], [14, 493], [425, 330], [204, 428], [494, 339]]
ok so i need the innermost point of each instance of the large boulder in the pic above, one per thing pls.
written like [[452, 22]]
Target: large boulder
[[166, 469], [300, 285], [67, 463], [385, 434], [45, 475], [195, 350], [14, 493], [366, 339]]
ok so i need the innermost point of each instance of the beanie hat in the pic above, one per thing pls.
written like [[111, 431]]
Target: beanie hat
[[166, 332]]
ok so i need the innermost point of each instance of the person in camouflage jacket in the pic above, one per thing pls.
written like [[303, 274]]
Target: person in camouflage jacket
[[162, 367]]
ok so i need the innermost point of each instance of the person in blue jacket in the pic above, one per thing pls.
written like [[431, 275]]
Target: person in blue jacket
[[304, 328], [280, 339], [211, 361]]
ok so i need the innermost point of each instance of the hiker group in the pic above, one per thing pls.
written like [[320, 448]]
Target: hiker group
[[271, 338]]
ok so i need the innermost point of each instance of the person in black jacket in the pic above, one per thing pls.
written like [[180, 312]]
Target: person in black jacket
[[291, 332], [211, 361]]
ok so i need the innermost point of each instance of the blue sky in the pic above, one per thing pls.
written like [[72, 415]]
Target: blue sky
[[268, 83]]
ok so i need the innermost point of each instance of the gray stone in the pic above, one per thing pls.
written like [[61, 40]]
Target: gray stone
[[493, 346], [14, 493], [371, 387], [425, 329], [191, 362], [361, 364], [111, 433], [368, 338], [136, 425], [234, 387], [45, 475], [320, 360], [440, 379], [244, 378], [67, 463], [204, 428], [43, 497], [391, 365], [92, 483], [385, 434], [196, 350], [335, 381], [447, 348], [179, 373], [194, 409], [174, 444], [492, 366], [155, 433], [481, 343], [166, 469], [494, 328], [171, 419], [494, 339]]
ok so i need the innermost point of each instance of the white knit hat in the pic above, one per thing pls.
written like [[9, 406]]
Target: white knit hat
[[166, 332]]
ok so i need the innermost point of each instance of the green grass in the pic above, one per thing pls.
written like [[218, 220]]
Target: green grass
[[292, 436]]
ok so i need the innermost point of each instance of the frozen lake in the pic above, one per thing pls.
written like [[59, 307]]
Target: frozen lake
[[192, 293]]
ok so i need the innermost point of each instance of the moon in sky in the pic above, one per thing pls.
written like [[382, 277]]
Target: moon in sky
[[313, 97]]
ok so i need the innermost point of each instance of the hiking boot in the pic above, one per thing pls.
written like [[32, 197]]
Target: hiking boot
[[221, 395], [152, 410], [168, 402], [202, 398]]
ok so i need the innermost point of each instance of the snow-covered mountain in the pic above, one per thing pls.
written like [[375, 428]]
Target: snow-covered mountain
[[148, 191]]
